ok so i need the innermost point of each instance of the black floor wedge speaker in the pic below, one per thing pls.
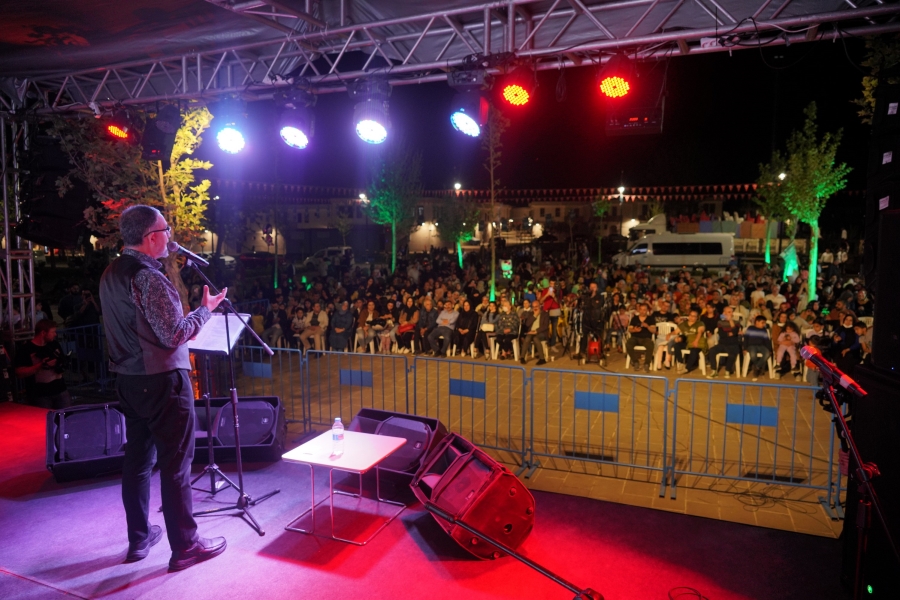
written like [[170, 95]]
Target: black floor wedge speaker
[[263, 428], [421, 434], [477, 491], [85, 441]]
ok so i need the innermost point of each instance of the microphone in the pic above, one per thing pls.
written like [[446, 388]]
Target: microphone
[[829, 370], [174, 247]]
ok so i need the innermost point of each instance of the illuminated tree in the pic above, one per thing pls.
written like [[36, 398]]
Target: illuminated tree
[[457, 224], [119, 177], [812, 178], [770, 195], [601, 207], [394, 193], [491, 142]]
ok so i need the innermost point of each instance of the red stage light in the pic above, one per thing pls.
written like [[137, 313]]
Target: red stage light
[[614, 86], [516, 95], [115, 131]]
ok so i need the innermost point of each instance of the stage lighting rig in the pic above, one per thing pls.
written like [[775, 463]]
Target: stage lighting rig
[[517, 87], [296, 123], [616, 78], [229, 118], [121, 127], [371, 115], [469, 112], [159, 134]]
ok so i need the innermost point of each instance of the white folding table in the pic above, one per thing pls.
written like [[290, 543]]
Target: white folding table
[[362, 452]]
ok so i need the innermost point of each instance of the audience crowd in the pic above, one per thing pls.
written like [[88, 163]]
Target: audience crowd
[[552, 308]]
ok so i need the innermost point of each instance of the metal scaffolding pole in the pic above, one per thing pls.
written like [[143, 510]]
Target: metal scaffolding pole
[[17, 273]]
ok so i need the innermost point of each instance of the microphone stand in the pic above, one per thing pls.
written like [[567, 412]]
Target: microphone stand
[[244, 500], [831, 399]]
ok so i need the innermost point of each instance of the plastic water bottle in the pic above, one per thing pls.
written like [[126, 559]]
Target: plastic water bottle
[[337, 438]]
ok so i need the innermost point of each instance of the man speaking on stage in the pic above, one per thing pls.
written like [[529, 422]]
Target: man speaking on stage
[[147, 334]]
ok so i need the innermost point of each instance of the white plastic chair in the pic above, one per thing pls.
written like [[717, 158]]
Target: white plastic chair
[[663, 330], [769, 363], [685, 352]]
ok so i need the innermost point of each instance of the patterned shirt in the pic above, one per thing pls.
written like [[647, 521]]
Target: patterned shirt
[[157, 299]]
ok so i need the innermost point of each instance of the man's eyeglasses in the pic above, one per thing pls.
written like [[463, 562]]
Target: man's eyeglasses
[[168, 231]]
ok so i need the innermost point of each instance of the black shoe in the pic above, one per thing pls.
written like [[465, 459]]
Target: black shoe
[[577, 356], [203, 549], [540, 362], [140, 550], [522, 360]]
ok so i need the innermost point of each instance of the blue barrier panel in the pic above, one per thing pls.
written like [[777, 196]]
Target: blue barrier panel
[[742, 414], [772, 434], [483, 402], [600, 423], [339, 384], [468, 389], [597, 401], [255, 369], [354, 377], [259, 374]]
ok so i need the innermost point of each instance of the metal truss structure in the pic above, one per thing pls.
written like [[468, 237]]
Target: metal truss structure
[[323, 45]]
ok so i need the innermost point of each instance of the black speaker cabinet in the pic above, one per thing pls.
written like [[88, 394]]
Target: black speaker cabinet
[[876, 429], [886, 326], [85, 441], [478, 491], [263, 428], [421, 433]]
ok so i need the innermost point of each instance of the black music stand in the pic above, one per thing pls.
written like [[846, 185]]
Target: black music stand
[[217, 338]]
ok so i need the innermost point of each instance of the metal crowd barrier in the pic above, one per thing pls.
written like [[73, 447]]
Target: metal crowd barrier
[[766, 433], [258, 374], [602, 424], [339, 384], [483, 402], [87, 362]]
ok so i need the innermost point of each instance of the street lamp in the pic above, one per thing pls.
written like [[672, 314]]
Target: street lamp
[[781, 176], [457, 186], [621, 190]]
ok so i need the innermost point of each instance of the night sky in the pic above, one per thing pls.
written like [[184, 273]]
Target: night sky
[[722, 115]]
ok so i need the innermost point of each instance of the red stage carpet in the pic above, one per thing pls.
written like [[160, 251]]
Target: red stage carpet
[[68, 540]]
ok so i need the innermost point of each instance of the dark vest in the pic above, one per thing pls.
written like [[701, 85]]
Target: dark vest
[[134, 348]]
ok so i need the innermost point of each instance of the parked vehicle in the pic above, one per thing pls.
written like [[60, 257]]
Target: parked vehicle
[[326, 255], [227, 262], [679, 250], [656, 225], [256, 259]]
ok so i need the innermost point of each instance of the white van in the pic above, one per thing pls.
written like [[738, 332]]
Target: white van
[[679, 250], [657, 224]]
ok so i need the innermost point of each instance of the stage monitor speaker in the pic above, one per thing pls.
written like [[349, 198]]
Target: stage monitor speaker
[[85, 441], [876, 429], [421, 433], [478, 491], [262, 424], [886, 327]]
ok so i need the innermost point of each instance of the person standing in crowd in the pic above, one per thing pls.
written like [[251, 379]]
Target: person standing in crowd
[[536, 327], [147, 334], [39, 362], [592, 318]]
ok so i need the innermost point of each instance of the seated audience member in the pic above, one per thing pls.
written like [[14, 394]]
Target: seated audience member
[[536, 327], [729, 343], [507, 329], [788, 342], [466, 328], [691, 337], [341, 327], [758, 345], [642, 328], [446, 327]]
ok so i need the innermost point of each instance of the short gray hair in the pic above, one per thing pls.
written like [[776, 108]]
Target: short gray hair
[[135, 222]]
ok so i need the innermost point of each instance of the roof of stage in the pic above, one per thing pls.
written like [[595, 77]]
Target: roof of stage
[[63, 55]]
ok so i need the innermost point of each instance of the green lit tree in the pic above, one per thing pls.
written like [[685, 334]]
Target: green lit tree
[[457, 224], [394, 193], [492, 144], [770, 195], [600, 207], [812, 178]]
